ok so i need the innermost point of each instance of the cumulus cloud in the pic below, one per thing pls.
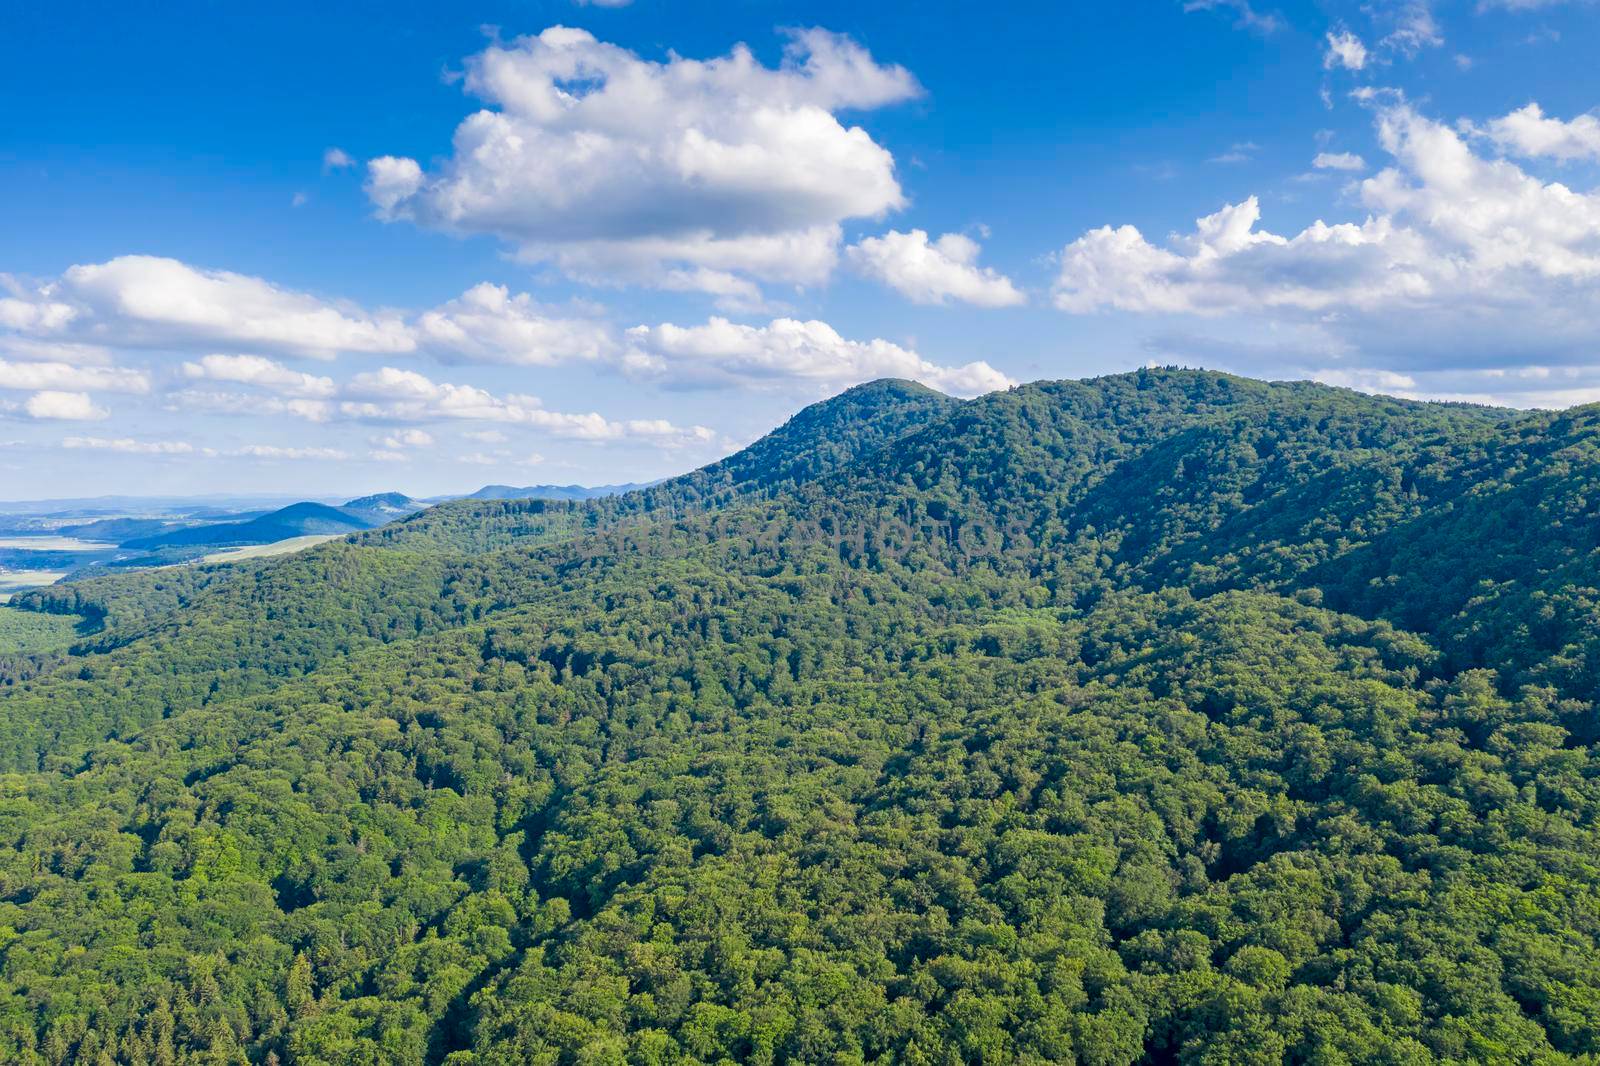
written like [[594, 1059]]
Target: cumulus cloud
[[395, 395], [32, 311], [49, 375], [1461, 261], [407, 438], [788, 352], [683, 171], [1344, 50], [390, 181], [164, 299], [261, 372], [489, 325], [1529, 133], [1339, 161], [147, 301], [933, 272], [336, 159], [64, 407], [142, 302], [89, 312]]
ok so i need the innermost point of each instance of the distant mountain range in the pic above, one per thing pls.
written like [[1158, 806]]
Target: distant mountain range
[[168, 530], [308, 518], [296, 520], [555, 492]]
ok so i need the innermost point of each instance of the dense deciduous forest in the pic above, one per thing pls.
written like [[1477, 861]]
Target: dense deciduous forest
[[1164, 717]]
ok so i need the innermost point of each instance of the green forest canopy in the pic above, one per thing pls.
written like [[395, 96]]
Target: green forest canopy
[[1163, 717]]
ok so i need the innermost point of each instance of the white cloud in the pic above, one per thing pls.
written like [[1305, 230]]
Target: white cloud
[[64, 407], [261, 372], [138, 301], [1517, 386], [42, 375], [1414, 27], [406, 438], [211, 401], [336, 159], [274, 451], [621, 168], [489, 325], [391, 394], [1386, 382], [933, 272], [1224, 266], [789, 352], [1241, 152], [46, 351], [1530, 133], [130, 446], [1245, 16], [1344, 50], [1462, 261], [1339, 161], [33, 312], [500, 458], [390, 181]]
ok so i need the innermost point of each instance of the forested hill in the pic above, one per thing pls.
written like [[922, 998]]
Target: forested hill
[[824, 438], [1163, 717]]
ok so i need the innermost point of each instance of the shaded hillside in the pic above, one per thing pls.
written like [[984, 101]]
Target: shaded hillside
[[118, 530], [296, 520]]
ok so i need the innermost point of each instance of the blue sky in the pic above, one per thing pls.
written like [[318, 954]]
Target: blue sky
[[425, 247]]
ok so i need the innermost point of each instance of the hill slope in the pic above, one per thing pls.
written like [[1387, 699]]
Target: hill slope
[[1072, 723], [295, 520], [382, 507]]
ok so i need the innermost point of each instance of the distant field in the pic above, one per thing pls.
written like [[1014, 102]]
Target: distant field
[[279, 547], [55, 543], [26, 631], [17, 580]]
